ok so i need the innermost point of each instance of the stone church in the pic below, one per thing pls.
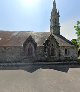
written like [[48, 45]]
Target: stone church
[[26, 46]]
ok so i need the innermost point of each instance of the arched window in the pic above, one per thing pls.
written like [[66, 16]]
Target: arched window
[[52, 52], [30, 50]]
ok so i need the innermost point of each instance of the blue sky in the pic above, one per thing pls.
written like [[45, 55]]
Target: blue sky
[[19, 15]]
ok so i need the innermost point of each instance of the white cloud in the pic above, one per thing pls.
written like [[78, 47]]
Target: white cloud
[[67, 29]]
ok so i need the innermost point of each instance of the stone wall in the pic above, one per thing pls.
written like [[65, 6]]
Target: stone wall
[[73, 53], [10, 54], [16, 54], [40, 53]]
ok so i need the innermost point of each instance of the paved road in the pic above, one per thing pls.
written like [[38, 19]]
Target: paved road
[[42, 80]]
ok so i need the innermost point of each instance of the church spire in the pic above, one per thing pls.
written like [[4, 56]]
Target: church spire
[[54, 21], [54, 4]]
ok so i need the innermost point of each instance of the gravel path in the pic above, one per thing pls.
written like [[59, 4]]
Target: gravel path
[[42, 80]]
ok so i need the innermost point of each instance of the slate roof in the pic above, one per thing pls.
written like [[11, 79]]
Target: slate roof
[[15, 38]]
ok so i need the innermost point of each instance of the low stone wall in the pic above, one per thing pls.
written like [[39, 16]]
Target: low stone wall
[[31, 67]]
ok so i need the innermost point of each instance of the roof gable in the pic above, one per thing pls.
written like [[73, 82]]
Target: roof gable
[[30, 39]]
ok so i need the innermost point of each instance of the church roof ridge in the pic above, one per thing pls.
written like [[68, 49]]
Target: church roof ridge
[[18, 38]]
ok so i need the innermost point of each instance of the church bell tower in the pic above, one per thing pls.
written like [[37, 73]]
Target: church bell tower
[[54, 21]]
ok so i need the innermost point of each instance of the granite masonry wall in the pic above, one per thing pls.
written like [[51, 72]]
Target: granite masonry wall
[[16, 54], [72, 53]]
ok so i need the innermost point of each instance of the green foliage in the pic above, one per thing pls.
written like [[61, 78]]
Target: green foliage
[[74, 41], [77, 28]]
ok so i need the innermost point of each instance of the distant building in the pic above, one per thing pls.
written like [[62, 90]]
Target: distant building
[[37, 46]]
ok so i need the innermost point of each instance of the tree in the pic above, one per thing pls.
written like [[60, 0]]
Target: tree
[[77, 28], [74, 41]]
